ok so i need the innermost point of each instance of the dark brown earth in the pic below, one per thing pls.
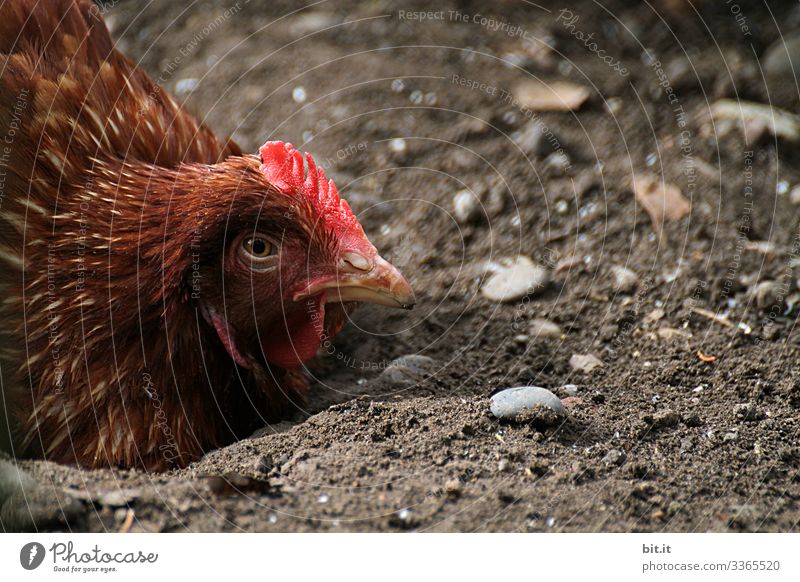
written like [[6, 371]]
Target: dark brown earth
[[656, 439]]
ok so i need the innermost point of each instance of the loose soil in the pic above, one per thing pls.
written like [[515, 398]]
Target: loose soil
[[690, 424]]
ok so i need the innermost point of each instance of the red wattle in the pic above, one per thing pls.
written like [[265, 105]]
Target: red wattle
[[299, 335]]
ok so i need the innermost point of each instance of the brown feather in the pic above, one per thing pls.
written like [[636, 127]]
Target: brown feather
[[106, 183]]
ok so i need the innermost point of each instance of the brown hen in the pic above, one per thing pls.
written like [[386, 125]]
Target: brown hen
[[161, 291]]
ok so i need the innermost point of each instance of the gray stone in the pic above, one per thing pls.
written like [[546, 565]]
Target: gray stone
[[534, 141], [186, 86], [585, 362], [614, 457], [625, 280], [453, 487], [782, 58], [466, 207], [570, 389], [558, 162], [528, 404], [794, 195], [513, 282], [543, 328]]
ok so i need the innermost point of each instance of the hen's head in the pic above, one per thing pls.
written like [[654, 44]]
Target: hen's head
[[293, 266]]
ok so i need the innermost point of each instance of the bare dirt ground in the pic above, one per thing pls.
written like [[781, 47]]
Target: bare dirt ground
[[690, 423]]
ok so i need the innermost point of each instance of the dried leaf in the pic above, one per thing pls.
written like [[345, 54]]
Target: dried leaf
[[662, 201], [778, 122], [555, 96]]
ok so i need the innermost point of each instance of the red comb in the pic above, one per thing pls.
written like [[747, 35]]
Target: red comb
[[283, 167]]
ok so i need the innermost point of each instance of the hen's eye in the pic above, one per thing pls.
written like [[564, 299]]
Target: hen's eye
[[257, 248]]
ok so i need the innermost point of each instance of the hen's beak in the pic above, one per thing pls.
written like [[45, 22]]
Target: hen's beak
[[360, 280]]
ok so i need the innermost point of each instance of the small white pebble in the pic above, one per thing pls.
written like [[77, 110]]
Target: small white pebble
[[794, 195], [186, 86], [614, 105], [397, 145], [465, 206], [509, 118], [299, 94]]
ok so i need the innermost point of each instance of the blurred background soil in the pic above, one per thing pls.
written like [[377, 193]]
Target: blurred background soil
[[689, 422]]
